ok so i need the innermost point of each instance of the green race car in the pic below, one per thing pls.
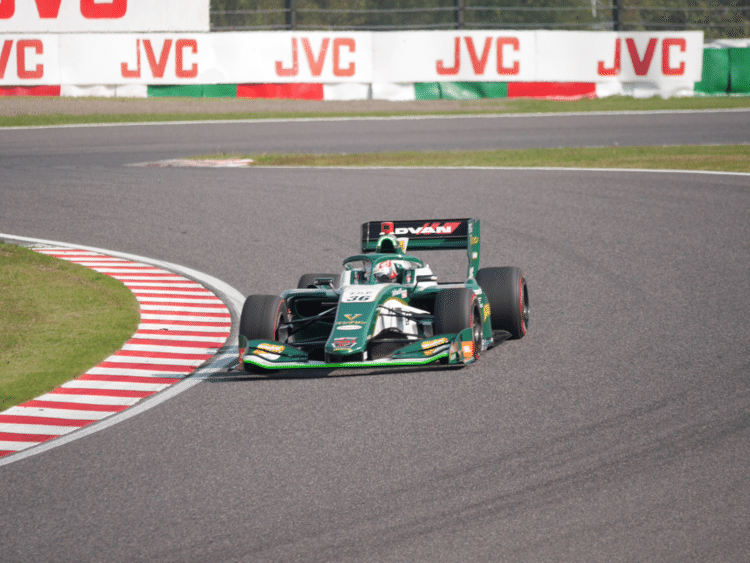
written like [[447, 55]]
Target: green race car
[[386, 309]]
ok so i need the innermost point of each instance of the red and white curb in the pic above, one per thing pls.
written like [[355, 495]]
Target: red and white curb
[[182, 325]]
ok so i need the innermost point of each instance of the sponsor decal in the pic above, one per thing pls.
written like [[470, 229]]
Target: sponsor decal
[[468, 350], [344, 343], [670, 47], [360, 295], [424, 230], [351, 316], [486, 312], [431, 347], [350, 327], [402, 293], [342, 50], [505, 63], [184, 50], [433, 343], [273, 348]]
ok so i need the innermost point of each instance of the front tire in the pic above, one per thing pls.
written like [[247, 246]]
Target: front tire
[[262, 315], [508, 297], [457, 309]]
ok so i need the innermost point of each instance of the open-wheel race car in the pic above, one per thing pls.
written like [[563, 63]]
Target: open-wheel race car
[[387, 309]]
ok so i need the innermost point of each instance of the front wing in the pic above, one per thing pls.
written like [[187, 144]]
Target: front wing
[[451, 349]]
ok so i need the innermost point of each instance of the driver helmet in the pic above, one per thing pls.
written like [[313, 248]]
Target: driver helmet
[[385, 272]]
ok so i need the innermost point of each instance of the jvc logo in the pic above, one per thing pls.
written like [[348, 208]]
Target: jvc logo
[[341, 46], [641, 64], [24, 48]]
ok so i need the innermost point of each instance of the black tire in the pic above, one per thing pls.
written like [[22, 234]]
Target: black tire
[[308, 280], [508, 297], [260, 320], [457, 309]]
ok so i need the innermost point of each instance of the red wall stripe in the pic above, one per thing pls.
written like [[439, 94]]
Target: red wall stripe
[[559, 90], [281, 91], [30, 91]]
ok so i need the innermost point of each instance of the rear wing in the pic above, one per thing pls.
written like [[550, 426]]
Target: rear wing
[[441, 234]]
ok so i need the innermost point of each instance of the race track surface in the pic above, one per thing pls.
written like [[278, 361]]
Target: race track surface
[[617, 430]]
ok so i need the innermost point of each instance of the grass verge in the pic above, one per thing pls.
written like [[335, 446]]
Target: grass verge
[[333, 109], [57, 319], [727, 158]]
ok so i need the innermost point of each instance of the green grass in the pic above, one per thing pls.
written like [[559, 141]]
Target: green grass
[[728, 158], [57, 320], [338, 109]]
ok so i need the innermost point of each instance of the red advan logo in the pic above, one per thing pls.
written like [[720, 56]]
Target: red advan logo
[[641, 64], [23, 48], [426, 229], [90, 9]]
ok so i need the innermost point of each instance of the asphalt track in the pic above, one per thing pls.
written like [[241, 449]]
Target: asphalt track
[[617, 430]]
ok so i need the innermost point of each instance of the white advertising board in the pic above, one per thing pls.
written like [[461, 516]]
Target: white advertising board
[[354, 58], [216, 58], [537, 56], [589, 56], [92, 16], [445, 56]]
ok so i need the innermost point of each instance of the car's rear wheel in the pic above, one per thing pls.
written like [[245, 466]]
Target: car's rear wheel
[[308, 280], [508, 297], [262, 316], [457, 309]]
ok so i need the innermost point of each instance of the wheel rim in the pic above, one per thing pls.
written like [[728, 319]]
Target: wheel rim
[[278, 334], [524, 305], [476, 332]]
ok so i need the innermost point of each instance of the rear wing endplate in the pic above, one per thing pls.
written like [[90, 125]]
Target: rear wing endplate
[[440, 234]]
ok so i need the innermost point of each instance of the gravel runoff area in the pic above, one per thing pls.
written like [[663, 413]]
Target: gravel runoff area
[[12, 106]]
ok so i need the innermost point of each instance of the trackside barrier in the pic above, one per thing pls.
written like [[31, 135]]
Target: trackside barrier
[[726, 70], [356, 64], [715, 79], [739, 70]]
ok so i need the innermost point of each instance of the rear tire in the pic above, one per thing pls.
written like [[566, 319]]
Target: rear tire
[[260, 320], [457, 309], [308, 280], [508, 297]]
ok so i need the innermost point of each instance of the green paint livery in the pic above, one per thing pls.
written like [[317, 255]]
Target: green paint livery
[[386, 308]]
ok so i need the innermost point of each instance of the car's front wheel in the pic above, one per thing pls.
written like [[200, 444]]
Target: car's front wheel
[[508, 297], [261, 319], [457, 309]]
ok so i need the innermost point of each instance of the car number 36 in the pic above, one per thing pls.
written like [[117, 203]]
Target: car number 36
[[360, 295]]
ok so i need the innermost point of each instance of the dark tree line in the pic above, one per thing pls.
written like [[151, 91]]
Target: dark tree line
[[717, 18]]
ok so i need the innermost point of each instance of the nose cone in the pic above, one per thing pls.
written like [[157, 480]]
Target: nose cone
[[355, 313]]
